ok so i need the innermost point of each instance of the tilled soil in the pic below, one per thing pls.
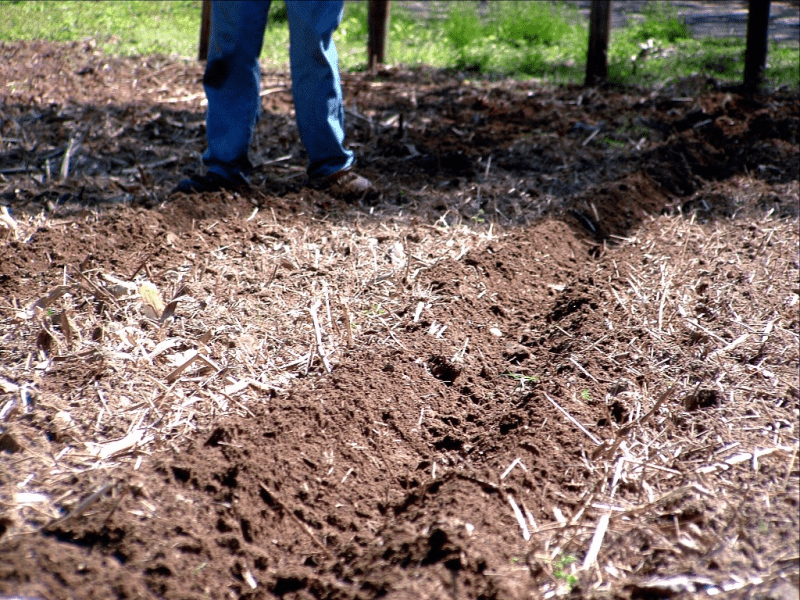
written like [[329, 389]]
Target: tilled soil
[[574, 305]]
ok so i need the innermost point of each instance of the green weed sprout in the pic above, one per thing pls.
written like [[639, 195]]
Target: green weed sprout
[[522, 379], [560, 566]]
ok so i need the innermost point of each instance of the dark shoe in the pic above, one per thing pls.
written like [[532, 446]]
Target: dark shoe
[[347, 185], [211, 182]]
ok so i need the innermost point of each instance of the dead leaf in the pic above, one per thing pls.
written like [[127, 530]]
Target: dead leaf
[[153, 303]]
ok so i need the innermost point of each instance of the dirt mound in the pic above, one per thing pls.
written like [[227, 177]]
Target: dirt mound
[[558, 356]]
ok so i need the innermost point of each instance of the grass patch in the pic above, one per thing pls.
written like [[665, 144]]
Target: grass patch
[[527, 39], [520, 39], [125, 28], [718, 58], [411, 42], [660, 21]]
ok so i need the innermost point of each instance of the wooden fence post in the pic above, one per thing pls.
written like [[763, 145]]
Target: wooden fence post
[[599, 26], [755, 54], [205, 30], [378, 19]]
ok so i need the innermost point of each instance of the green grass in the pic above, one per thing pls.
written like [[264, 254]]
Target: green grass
[[522, 39], [660, 21], [718, 58], [118, 27], [529, 39], [410, 42]]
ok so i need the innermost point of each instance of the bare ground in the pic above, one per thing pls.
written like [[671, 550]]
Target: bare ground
[[557, 357]]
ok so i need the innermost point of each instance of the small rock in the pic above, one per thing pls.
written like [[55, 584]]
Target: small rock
[[515, 353], [783, 590]]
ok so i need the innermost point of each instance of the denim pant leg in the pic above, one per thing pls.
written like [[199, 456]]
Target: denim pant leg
[[316, 86], [232, 82]]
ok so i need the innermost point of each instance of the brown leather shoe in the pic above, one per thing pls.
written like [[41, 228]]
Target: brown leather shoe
[[347, 185]]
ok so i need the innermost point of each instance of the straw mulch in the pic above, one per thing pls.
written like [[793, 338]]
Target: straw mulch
[[557, 357]]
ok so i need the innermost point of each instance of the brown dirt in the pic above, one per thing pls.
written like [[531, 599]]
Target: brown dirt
[[625, 260]]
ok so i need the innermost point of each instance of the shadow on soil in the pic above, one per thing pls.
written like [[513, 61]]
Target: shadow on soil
[[439, 148]]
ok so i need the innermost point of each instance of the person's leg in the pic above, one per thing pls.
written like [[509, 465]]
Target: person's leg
[[232, 82], [316, 86]]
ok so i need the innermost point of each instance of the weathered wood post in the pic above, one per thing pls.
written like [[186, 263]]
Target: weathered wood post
[[755, 54], [205, 30], [378, 19], [599, 26]]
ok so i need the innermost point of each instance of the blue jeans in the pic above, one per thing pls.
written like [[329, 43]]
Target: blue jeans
[[232, 82]]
